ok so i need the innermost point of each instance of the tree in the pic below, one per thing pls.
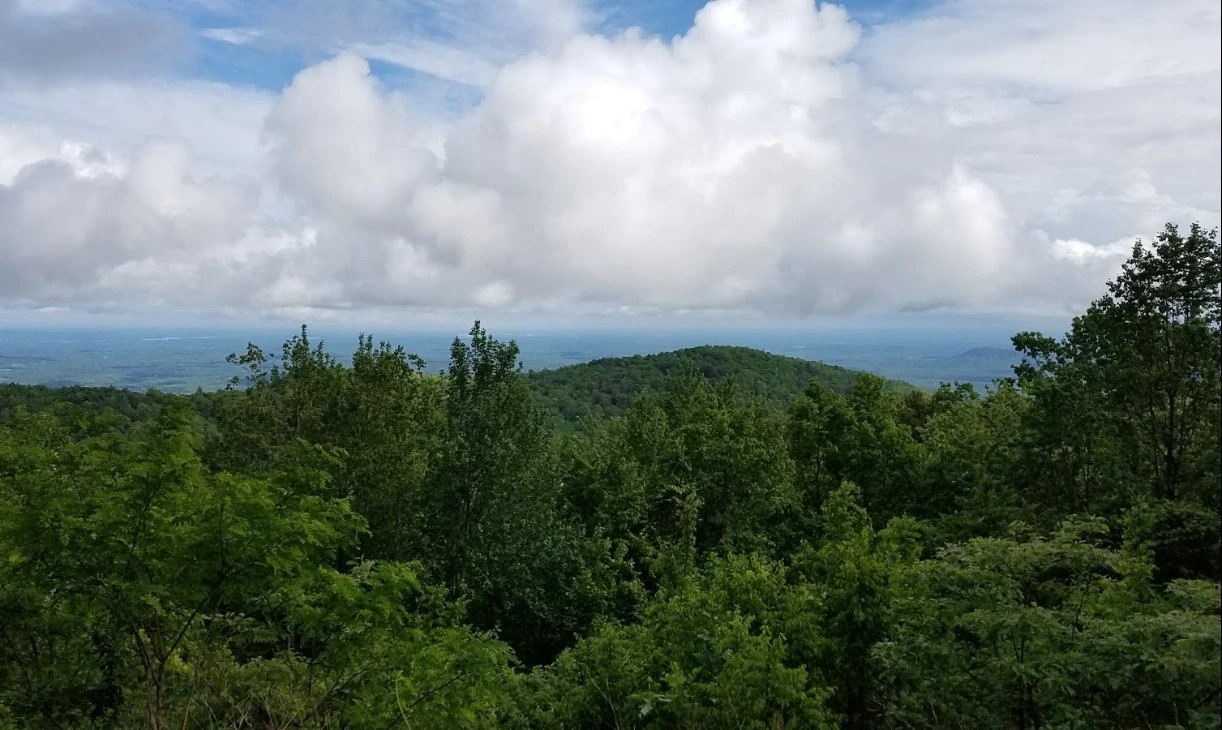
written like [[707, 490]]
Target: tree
[[390, 429], [692, 471], [382, 418], [820, 427], [972, 466], [499, 532], [139, 589], [1025, 631], [854, 568], [1136, 380], [862, 439], [730, 647]]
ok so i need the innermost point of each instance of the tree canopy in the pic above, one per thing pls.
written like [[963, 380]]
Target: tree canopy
[[606, 387], [703, 539]]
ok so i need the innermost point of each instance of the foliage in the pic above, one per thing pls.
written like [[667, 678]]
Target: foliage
[[606, 387], [1127, 404], [129, 404], [140, 589], [855, 567], [1023, 632], [714, 538], [696, 469], [862, 439], [729, 647]]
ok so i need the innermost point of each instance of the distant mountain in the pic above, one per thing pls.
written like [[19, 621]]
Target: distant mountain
[[606, 387], [999, 356], [979, 366]]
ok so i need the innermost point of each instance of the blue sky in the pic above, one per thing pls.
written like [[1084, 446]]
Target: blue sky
[[746, 160], [272, 66]]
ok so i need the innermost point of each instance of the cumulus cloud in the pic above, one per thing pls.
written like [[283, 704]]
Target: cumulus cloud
[[345, 147], [773, 158], [77, 226], [1069, 108], [221, 123]]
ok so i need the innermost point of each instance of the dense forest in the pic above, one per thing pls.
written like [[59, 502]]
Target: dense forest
[[360, 544], [605, 388], [598, 390]]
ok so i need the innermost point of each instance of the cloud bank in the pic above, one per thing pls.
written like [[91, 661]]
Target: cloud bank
[[776, 158], [49, 40]]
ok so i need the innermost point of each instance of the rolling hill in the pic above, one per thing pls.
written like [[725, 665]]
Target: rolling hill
[[601, 388], [605, 388]]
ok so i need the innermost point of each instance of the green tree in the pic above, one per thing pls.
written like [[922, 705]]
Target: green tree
[[500, 532], [863, 439], [730, 647], [1027, 632], [390, 430], [382, 417], [973, 461], [1135, 382], [695, 470], [139, 589], [819, 426], [855, 568]]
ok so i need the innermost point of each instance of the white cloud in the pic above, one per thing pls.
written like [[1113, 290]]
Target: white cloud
[[344, 146], [221, 123], [442, 61], [1082, 252], [771, 159], [1059, 105], [1048, 46], [460, 40], [233, 36], [73, 226], [20, 147]]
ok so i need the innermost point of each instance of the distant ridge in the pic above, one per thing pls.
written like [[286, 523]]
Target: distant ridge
[[987, 356], [601, 388], [25, 358], [605, 387]]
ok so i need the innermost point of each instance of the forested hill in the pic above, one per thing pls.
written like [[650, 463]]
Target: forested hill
[[605, 388], [130, 404], [601, 388]]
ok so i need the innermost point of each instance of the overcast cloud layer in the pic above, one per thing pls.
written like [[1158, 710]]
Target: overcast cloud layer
[[777, 157]]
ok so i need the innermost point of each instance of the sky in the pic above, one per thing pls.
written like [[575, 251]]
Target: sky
[[433, 160]]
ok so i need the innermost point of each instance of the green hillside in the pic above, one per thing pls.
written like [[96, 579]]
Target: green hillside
[[130, 404], [602, 388], [605, 388]]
